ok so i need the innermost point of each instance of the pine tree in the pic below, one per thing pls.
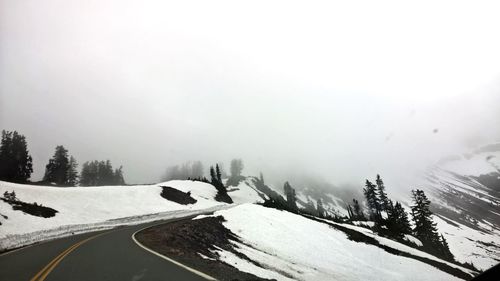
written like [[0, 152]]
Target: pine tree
[[291, 198], [402, 219], [85, 175], [357, 211], [16, 164], [382, 195], [218, 174], [72, 173], [118, 176], [370, 193], [445, 249], [236, 168], [96, 173], [216, 181], [213, 176], [425, 228], [56, 171], [397, 220], [320, 209], [350, 213]]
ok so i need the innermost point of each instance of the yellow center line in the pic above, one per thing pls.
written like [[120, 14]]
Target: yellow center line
[[50, 263], [42, 274]]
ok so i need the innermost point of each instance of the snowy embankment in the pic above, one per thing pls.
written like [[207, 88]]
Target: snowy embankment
[[286, 246], [246, 192], [81, 209]]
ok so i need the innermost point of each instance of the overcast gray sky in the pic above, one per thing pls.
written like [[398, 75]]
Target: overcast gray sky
[[344, 89]]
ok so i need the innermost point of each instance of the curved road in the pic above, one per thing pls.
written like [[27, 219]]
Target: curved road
[[102, 255]]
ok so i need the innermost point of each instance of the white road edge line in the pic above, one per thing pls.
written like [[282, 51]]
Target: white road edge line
[[201, 274]]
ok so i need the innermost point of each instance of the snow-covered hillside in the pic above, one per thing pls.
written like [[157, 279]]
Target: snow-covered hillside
[[287, 246], [82, 209], [465, 192]]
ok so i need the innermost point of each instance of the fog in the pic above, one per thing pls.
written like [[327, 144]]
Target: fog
[[341, 91]]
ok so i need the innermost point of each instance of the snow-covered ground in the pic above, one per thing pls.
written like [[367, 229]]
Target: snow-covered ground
[[83, 209], [470, 245], [290, 247], [246, 192]]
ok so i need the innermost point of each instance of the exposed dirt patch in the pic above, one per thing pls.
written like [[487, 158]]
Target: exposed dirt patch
[[177, 196], [185, 240], [33, 209]]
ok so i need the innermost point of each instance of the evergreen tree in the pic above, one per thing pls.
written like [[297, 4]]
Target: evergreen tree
[[350, 213], [72, 173], [105, 174], [370, 193], [445, 249], [85, 175], [397, 220], [213, 176], [216, 180], [402, 219], [425, 228], [56, 171], [118, 176], [382, 195], [96, 173], [357, 211], [321, 210], [236, 168], [16, 164], [218, 173], [291, 197], [261, 178]]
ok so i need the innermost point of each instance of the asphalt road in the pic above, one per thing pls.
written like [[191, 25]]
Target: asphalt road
[[104, 255]]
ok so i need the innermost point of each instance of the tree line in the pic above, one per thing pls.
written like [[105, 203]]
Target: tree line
[[16, 165], [195, 171], [392, 220]]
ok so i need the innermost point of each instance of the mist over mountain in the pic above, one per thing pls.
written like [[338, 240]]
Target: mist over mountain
[[288, 97]]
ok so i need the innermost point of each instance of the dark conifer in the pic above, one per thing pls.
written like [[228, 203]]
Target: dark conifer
[[291, 198], [218, 174], [320, 209], [118, 176], [56, 171], [96, 173], [357, 211], [16, 164], [72, 172], [213, 176], [383, 200], [370, 193], [425, 228]]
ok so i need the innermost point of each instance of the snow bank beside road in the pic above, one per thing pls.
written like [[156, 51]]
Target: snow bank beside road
[[83, 209]]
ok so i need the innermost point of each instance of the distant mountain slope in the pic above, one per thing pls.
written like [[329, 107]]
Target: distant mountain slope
[[465, 192]]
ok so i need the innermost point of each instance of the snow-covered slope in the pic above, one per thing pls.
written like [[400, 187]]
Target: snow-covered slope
[[465, 195], [88, 208], [246, 192], [287, 246]]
